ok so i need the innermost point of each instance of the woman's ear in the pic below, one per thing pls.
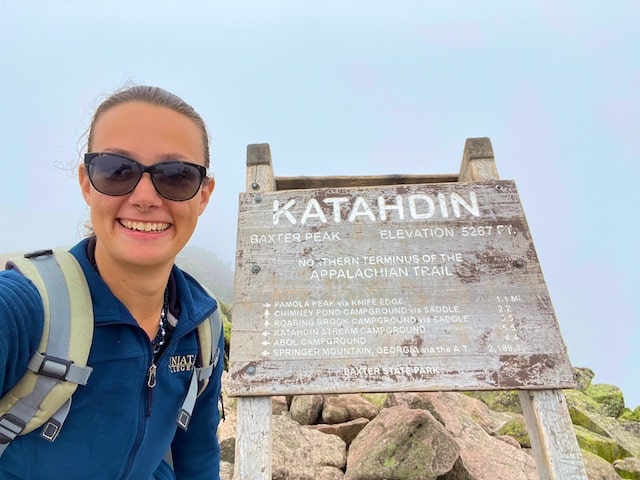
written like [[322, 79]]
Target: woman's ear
[[85, 183], [207, 189]]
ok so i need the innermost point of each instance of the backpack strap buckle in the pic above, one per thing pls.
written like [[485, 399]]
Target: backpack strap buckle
[[59, 368], [50, 366], [51, 430], [10, 428]]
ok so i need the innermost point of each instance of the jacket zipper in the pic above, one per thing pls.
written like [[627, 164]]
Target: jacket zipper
[[151, 381]]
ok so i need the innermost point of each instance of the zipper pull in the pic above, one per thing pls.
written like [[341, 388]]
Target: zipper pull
[[151, 376]]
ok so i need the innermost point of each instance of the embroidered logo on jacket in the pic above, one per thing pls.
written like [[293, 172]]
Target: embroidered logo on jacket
[[181, 363]]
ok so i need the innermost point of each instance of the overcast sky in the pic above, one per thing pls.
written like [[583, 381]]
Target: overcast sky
[[357, 88]]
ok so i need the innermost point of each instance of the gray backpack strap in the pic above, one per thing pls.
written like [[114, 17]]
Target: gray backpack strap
[[209, 333], [43, 394]]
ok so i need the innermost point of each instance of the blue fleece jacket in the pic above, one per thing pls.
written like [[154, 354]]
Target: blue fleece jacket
[[118, 427]]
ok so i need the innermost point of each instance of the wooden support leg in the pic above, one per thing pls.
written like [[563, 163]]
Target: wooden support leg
[[553, 440], [253, 439]]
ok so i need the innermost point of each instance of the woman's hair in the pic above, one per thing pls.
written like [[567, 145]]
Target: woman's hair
[[154, 96]]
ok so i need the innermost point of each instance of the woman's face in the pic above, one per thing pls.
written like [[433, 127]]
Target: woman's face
[[143, 228]]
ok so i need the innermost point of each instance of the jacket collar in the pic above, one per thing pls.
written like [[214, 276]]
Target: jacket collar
[[188, 301]]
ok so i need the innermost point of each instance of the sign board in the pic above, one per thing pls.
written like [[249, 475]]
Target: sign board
[[391, 288]]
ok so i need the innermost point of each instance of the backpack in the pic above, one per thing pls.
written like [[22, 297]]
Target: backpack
[[43, 395]]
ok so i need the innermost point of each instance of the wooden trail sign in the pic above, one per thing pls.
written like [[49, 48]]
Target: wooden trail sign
[[392, 283], [409, 287]]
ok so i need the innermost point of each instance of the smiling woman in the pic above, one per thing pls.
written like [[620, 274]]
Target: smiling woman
[[146, 184], [150, 134]]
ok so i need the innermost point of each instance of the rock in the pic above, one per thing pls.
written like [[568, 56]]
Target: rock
[[228, 449], [587, 413], [482, 456], [401, 444], [303, 454], [583, 377], [489, 420], [346, 431], [628, 468], [598, 468], [510, 440], [584, 411], [378, 399], [609, 396], [633, 416], [305, 409], [604, 447], [227, 430], [517, 429], [485, 439], [226, 470], [343, 408], [499, 401], [279, 405]]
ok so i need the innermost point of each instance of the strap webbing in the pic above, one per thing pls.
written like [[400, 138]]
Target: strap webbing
[[59, 306], [200, 376], [53, 368]]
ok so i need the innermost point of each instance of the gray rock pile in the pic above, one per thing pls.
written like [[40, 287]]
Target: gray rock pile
[[436, 436]]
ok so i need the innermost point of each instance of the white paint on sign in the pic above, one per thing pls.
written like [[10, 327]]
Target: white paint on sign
[[418, 207]]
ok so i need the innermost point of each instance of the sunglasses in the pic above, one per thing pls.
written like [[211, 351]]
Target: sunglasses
[[115, 175]]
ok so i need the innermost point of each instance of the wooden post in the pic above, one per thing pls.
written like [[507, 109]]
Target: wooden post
[[478, 162], [549, 425], [553, 440], [253, 434]]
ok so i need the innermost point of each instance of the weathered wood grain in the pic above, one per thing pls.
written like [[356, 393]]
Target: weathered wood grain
[[253, 439], [392, 288], [253, 432], [555, 448]]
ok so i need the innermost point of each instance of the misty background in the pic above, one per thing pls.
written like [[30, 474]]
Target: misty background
[[358, 88]]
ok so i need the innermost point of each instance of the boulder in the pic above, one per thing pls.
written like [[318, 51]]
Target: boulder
[[517, 430], [590, 415], [395, 435], [628, 468], [347, 431], [499, 401], [489, 420], [609, 397], [583, 377], [482, 456], [279, 405], [401, 444], [343, 408], [226, 470], [305, 409], [598, 468], [603, 446], [303, 454]]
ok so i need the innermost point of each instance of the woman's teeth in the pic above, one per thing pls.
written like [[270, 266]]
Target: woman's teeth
[[145, 226]]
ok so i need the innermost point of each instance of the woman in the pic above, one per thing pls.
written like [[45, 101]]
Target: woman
[[145, 181]]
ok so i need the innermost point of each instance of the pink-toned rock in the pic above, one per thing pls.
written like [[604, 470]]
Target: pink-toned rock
[[482, 456], [346, 431], [279, 405], [344, 408], [300, 453], [401, 444]]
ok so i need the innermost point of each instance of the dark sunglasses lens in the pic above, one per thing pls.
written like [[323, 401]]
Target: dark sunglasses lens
[[113, 175], [177, 180]]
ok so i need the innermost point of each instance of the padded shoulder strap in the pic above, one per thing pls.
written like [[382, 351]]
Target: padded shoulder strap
[[209, 333], [60, 363]]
